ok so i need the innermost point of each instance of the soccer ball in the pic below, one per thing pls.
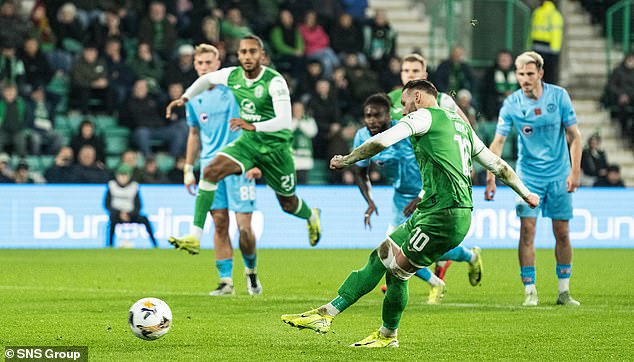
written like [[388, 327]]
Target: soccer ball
[[150, 318]]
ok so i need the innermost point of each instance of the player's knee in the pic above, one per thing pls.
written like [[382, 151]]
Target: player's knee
[[211, 172], [388, 258], [245, 232]]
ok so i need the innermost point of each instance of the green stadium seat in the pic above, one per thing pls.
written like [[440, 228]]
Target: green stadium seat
[[318, 175], [103, 122], [116, 132], [115, 145], [47, 161], [112, 162], [34, 163], [165, 162]]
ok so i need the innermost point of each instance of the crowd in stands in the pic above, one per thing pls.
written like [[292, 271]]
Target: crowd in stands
[[85, 83]]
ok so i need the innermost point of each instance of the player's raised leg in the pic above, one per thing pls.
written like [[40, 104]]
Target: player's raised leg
[[219, 168], [224, 253], [563, 254], [472, 256], [526, 254]]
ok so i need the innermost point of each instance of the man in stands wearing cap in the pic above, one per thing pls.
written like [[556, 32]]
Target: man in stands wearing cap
[[182, 71], [123, 202]]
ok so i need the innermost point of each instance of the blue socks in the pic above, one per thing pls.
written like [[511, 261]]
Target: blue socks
[[225, 268], [424, 274], [564, 271], [249, 260], [459, 253], [528, 275]]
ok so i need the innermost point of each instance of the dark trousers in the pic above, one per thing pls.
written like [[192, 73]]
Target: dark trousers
[[134, 219]]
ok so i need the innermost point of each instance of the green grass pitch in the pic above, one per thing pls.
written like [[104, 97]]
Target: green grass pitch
[[81, 297]]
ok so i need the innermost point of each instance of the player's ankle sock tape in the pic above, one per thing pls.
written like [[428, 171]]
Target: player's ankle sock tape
[[528, 275], [564, 271], [249, 260], [225, 268]]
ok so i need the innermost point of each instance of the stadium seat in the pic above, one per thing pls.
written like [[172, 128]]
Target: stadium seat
[[318, 175], [34, 163], [115, 145], [104, 122], [112, 162], [165, 162], [47, 161]]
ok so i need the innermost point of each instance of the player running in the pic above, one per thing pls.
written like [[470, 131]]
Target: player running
[[443, 144], [265, 117], [543, 115], [208, 116], [399, 163]]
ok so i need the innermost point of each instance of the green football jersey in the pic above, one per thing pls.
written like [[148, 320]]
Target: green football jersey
[[444, 158], [256, 105], [396, 112]]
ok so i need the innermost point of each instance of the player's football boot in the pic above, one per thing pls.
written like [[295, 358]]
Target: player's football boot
[[475, 268], [253, 283], [312, 320], [436, 293], [225, 287], [314, 228], [376, 340], [531, 300], [187, 242], [565, 299], [441, 268]]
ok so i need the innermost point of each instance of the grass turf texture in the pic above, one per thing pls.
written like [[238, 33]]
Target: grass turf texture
[[81, 298]]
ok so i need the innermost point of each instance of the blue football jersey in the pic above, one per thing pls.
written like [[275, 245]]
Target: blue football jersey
[[211, 111], [398, 162], [541, 126]]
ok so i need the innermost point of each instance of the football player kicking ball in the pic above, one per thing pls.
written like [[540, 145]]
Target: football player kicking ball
[[265, 118], [399, 163], [444, 145], [208, 116]]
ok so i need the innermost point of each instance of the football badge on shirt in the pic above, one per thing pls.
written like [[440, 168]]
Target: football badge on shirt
[[204, 118]]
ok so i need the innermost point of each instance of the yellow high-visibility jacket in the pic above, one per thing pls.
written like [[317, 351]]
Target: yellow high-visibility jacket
[[547, 26]]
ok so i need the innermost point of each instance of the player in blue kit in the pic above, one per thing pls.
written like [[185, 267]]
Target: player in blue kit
[[399, 163], [208, 116], [543, 116]]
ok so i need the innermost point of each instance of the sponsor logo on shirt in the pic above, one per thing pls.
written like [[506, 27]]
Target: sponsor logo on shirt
[[527, 130], [204, 117]]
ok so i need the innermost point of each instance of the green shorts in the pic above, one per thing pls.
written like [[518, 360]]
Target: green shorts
[[426, 236], [277, 165]]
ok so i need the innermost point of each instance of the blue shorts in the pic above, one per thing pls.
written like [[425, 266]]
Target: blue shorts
[[236, 193], [399, 201], [555, 200]]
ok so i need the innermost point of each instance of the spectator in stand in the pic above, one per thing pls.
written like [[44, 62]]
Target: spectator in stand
[[123, 202], [63, 171], [547, 26], [68, 29], [89, 80], [356, 8], [391, 77], [209, 33], [22, 174], [88, 170], [37, 70], [184, 13], [499, 82], [306, 86], [158, 31], [86, 136], [105, 27], [379, 41], [11, 67], [13, 121], [325, 109], [151, 173], [317, 44], [304, 129], [612, 179], [6, 174], [341, 88], [130, 158], [288, 45], [463, 100], [12, 28], [41, 117], [346, 36], [363, 83], [145, 65], [454, 73], [42, 30], [594, 163], [175, 175], [120, 76], [232, 28], [182, 71], [146, 117], [621, 90]]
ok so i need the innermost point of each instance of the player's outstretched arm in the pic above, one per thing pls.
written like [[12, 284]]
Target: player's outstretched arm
[[362, 178], [193, 148], [496, 148], [372, 146]]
